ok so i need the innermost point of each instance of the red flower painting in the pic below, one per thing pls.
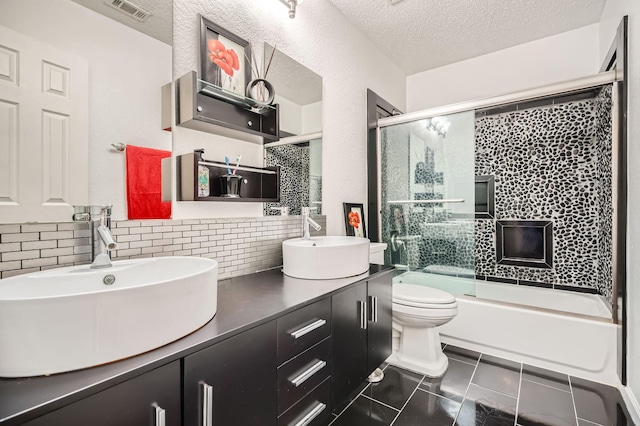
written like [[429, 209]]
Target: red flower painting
[[354, 219], [226, 59]]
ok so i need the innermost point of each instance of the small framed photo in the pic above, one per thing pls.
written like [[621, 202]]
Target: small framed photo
[[224, 58], [354, 220]]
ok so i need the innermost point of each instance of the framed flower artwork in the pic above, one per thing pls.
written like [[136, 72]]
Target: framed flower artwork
[[354, 220], [224, 58]]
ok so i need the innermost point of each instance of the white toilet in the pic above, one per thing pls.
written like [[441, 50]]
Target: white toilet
[[417, 311]]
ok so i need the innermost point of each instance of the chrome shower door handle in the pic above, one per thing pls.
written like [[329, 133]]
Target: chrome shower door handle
[[207, 404]]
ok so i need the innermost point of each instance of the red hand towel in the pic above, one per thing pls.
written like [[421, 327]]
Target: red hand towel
[[144, 184]]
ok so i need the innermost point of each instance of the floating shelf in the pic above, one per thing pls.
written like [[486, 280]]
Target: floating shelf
[[205, 107], [260, 184]]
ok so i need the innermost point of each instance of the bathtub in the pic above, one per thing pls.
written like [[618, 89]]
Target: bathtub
[[559, 330]]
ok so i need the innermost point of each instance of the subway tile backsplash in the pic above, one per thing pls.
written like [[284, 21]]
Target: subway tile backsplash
[[240, 245]]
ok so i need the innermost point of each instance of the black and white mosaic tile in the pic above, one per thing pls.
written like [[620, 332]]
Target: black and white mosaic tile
[[550, 162], [295, 182]]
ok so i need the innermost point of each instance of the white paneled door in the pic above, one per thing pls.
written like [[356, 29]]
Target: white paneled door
[[43, 130]]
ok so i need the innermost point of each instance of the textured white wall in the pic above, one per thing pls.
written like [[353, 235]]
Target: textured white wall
[[549, 60], [323, 40], [126, 71], [613, 13]]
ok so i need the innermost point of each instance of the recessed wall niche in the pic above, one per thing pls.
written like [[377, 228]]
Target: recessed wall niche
[[524, 243]]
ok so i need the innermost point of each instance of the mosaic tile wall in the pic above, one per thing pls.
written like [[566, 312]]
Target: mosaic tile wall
[[296, 183], [604, 123], [240, 245], [551, 163]]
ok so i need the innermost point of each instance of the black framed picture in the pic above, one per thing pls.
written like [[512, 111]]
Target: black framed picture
[[354, 220], [224, 58]]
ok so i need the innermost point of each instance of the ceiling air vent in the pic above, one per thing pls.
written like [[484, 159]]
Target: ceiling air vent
[[130, 9], [394, 1]]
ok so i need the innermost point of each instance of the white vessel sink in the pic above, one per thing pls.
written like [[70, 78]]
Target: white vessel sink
[[323, 258], [69, 318]]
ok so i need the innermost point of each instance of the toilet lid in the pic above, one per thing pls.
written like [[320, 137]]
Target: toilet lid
[[417, 295]]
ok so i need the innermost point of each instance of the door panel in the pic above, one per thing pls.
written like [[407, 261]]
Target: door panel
[[349, 344], [43, 130]]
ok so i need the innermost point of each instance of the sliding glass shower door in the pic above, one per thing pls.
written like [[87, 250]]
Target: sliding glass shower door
[[428, 195]]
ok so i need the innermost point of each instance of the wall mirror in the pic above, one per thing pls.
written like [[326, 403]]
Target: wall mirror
[[299, 150], [127, 55]]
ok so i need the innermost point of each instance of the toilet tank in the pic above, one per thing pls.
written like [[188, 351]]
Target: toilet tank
[[376, 253]]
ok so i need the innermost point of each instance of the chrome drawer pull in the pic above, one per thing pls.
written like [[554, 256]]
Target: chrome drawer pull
[[373, 317], [363, 315], [207, 404], [308, 328], [312, 414], [302, 377], [159, 414]]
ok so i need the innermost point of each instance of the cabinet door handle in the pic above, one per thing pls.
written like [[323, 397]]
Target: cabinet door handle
[[302, 377], [159, 415], [363, 315], [312, 414], [308, 328], [207, 404], [373, 317]]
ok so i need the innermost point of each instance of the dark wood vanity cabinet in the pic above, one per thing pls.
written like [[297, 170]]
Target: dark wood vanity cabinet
[[143, 400], [379, 326], [361, 334], [234, 381], [294, 370]]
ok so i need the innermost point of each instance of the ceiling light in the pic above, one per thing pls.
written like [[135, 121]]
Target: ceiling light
[[292, 5]]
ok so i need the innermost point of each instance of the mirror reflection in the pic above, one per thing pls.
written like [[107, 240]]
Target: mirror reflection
[[128, 58], [299, 150]]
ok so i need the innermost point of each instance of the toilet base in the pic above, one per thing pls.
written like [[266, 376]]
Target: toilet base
[[418, 349], [430, 370]]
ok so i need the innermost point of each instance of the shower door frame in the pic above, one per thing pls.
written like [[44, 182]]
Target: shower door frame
[[577, 85]]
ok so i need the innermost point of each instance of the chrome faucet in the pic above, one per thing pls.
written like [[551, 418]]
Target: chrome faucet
[[306, 222], [102, 241]]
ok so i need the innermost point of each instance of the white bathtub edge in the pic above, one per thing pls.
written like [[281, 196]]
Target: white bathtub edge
[[631, 402], [574, 346]]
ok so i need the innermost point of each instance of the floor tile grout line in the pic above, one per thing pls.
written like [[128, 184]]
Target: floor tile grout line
[[573, 399], [468, 387], [349, 404], [515, 420], [589, 421], [380, 402], [464, 362], [547, 386], [407, 401], [356, 397], [495, 391], [441, 396]]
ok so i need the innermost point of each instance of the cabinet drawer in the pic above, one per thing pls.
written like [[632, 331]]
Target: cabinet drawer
[[313, 410], [303, 373], [301, 329]]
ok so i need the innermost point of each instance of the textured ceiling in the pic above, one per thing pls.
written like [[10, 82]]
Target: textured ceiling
[[419, 35], [159, 25], [292, 80]]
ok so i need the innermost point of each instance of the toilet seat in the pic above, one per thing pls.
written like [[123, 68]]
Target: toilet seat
[[424, 297]]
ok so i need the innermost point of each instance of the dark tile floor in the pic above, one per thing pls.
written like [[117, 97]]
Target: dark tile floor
[[480, 389]]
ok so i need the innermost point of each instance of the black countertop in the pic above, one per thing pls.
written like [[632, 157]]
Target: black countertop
[[243, 302]]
